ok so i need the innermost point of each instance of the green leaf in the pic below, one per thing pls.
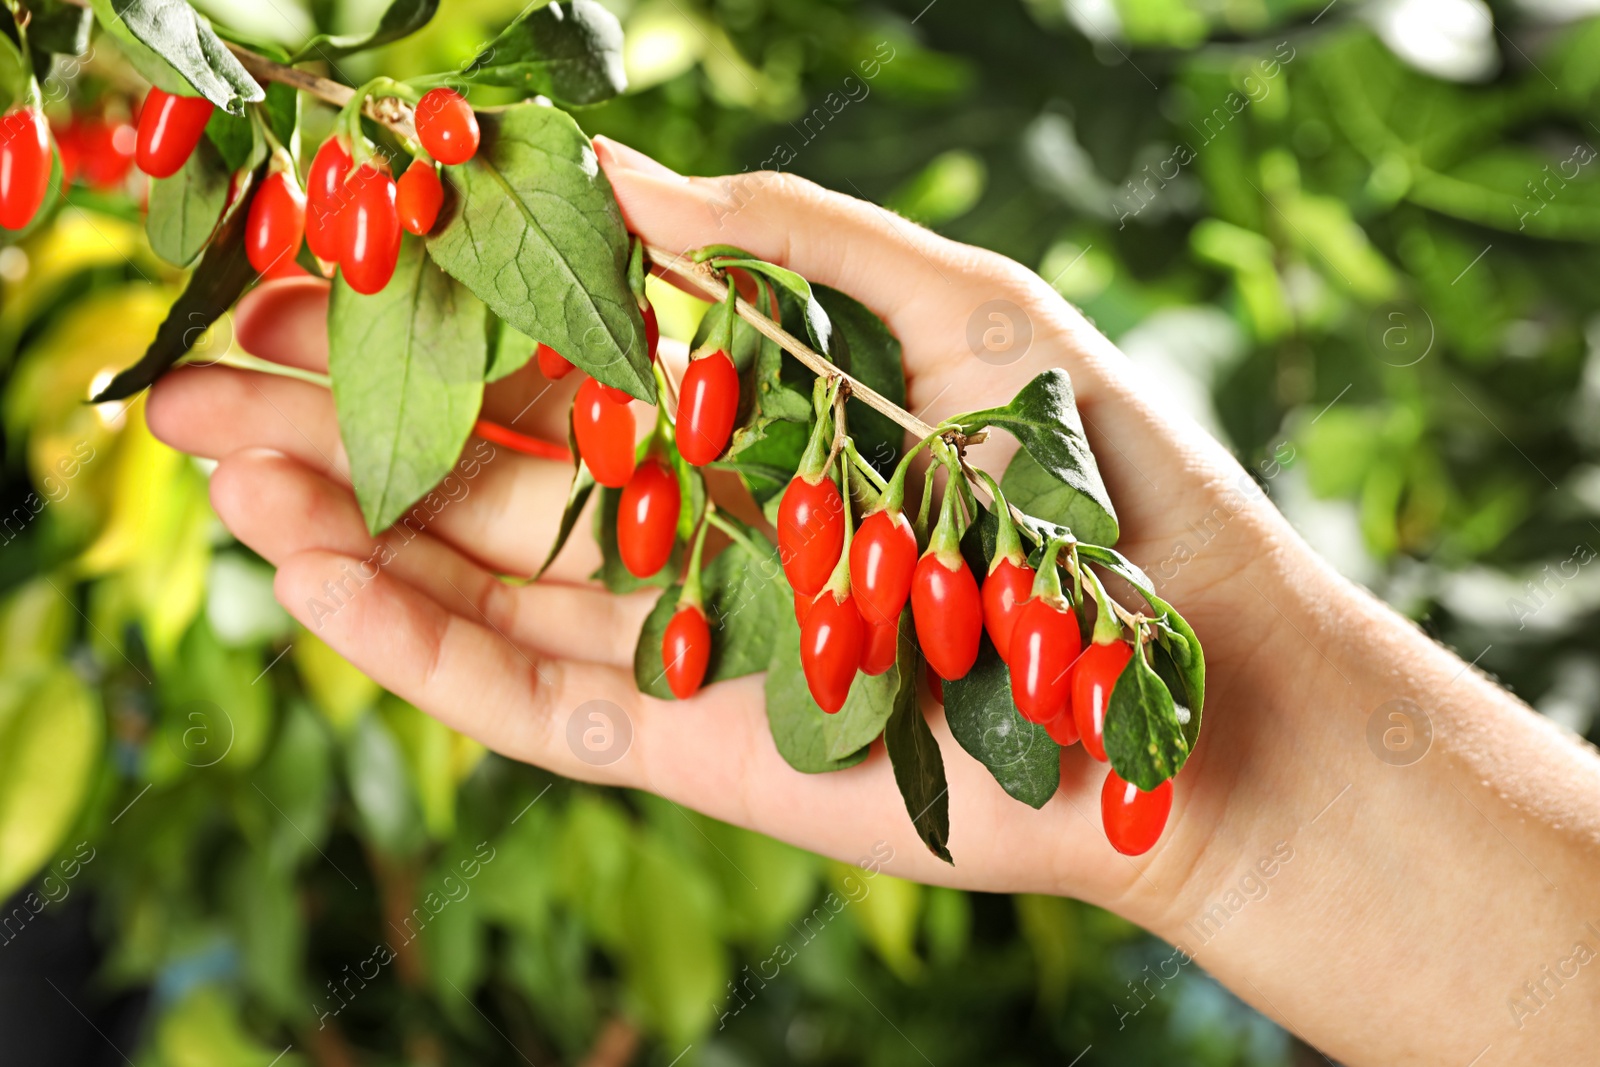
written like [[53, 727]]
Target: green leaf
[[918, 765], [570, 52], [1144, 739], [816, 319], [985, 721], [237, 140], [583, 484], [509, 352], [745, 600], [1066, 488], [186, 208], [407, 367], [1179, 659], [401, 19], [796, 722], [862, 346], [50, 738], [56, 27], [14, 73], [283, 113], [766, 465], [179, 38], [219, 279], [537, 234], [381, 788], [675, 962]]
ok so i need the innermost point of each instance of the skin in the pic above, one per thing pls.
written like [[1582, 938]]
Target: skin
[[1415, 900]]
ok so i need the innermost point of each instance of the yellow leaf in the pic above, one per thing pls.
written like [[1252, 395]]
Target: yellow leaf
[[50, 736]]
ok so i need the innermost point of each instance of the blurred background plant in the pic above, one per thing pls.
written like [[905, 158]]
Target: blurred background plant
[[1354, 240]]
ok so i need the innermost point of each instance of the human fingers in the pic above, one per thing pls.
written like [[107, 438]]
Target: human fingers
[[499, 507], [713, 753], [925, 287], [280, 507]]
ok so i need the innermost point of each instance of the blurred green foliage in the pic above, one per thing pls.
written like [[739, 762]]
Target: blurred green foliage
[[1374, 283]]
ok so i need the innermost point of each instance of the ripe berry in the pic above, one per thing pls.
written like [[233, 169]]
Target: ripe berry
[[652, 331], [106, 150], [831, 640], [1093, 679], [1062, 730], [883, 557], [169, 128], [552, 364], [1005, 590], [802, 604], [24, 166], [615, 395], [276, 223], [880, 648], [446, 126], [604, 432], [708, 402], [935, 686], [948, 611], [1133, 819], [371, 231], [325, 200], [686, 650], [1044, 643], [418, 197], [647, 518], [810, 533]]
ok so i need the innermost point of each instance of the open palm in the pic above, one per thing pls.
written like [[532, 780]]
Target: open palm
[[425, 614]]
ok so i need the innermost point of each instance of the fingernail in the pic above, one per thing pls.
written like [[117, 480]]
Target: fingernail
[[614, 155]]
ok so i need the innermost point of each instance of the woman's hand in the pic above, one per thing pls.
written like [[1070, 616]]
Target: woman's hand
[[1297, 660]]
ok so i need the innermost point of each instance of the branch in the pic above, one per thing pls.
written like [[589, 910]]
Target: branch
[[387, 110], [706, 280]]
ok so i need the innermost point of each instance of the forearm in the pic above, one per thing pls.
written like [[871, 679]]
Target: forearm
[[1441, 891]]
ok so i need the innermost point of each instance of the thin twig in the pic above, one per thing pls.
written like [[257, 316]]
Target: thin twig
[[388, 110]]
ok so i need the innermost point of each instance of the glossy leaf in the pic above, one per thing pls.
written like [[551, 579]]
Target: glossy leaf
[[178, 38], [985, 721], [577, 496], [570, 52], [1143, 737], [919, 766], [1066, 488], [536, 233], [218, 280], [407, 367], [186, 208], [57, 27], [1179, 659], [402, 18], [509, 351]]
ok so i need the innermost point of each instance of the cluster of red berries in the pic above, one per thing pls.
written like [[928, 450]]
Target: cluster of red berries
[[852, 625], [651, 501], [353, 215], [350, 216]]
